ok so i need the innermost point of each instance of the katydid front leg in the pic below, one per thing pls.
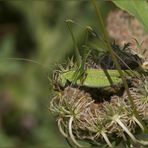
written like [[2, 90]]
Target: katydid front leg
[[80, 72]]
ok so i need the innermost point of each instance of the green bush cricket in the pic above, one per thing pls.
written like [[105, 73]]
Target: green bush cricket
[[82, 76]]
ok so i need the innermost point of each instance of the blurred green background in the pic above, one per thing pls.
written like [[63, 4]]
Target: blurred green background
[[35, 30]]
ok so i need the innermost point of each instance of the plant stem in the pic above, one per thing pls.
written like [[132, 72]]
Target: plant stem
[[106, 139], [126, 130], [139, 123], [76, 50], [60, 128]]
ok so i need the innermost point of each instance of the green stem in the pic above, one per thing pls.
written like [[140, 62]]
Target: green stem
[[110, 50], [86, 49], [77, 53]]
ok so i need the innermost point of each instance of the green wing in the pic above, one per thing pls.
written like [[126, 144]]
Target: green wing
[[94, 78]]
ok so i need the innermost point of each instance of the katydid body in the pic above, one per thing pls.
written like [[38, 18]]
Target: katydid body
[[94, 78]]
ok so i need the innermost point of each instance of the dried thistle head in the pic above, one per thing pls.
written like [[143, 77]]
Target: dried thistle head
[[80, 118]]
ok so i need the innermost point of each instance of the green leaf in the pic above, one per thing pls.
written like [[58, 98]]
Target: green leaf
[[137, 8]]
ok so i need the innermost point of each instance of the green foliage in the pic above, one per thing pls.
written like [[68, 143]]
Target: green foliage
[[5, 141], [35, 30], [137, 8]]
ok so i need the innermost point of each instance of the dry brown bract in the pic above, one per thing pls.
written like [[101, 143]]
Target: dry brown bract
[[80, 117], [124, 28]]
